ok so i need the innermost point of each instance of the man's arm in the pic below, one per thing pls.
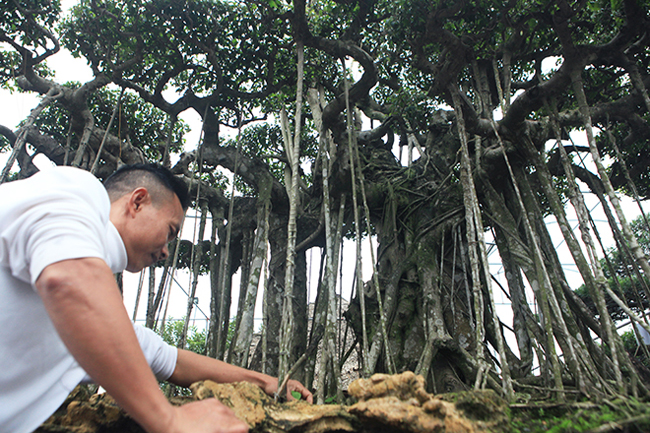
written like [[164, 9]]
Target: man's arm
[[84, 303], [192, 367]]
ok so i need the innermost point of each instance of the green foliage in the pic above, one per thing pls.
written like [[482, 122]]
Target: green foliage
[[26, 23], [630, 414], [9, 65], [173, 331], [263, 141], [214, 178], [195, 342], [185, 255], [209, 45], [633, 347], [634, 157], [633, 293], [629, 340], [600, 20], [631, 286], [4, 144], [146, 126]]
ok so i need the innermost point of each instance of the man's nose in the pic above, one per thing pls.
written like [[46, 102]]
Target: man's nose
[[164, 253]]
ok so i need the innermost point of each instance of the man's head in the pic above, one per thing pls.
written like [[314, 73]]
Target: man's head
[[148, 205], [157, 179]]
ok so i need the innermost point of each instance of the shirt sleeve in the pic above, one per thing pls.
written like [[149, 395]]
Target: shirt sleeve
[[64, 234], [57, 214], [160, 355]]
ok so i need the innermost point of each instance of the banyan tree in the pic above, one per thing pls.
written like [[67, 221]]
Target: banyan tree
[[418, 126]]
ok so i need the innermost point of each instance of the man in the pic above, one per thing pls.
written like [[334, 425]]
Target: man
[[62, 237]]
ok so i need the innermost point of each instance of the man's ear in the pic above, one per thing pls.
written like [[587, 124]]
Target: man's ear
[[139, 197]]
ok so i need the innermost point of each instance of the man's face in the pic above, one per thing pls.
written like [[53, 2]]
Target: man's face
[[151, 227]]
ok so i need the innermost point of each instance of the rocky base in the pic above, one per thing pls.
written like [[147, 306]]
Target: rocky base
[[385, 403]]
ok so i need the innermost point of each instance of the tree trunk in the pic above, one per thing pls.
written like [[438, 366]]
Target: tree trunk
[[246, 323], [215, 289], [195, 263], [292, 177]]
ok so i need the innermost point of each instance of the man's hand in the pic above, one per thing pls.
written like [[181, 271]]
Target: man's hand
[[294, 385], [206, 416], [192, 367], [271, 388]]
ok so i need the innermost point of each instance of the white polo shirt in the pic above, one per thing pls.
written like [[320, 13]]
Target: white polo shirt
[[57, 214]]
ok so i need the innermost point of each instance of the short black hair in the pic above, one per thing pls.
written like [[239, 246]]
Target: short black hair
[[128, 177]]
